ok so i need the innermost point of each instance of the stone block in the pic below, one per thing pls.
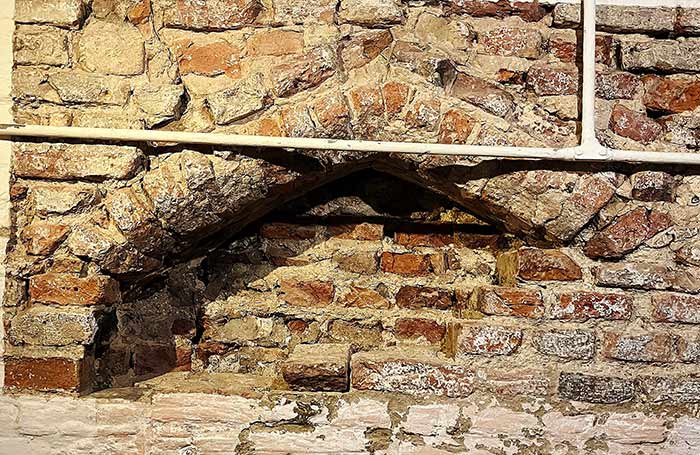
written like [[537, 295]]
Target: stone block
[[67, 289], [63, 13], [318, 367], [416, 297], [532, 264], [566, 344], [584, 305], [595, 389], [487, 340], [503, 301], [111, 48]]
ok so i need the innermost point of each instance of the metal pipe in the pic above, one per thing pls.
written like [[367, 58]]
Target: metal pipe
[[589, 150]]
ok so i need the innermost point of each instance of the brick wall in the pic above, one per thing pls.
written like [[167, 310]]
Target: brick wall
[[564, 295]]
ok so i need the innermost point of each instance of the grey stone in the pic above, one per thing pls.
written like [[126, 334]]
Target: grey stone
[[49, 326], [661, 55], [595, 389], [159, 103], [82, 87], [245, 98], [566, 344], [620, 19]]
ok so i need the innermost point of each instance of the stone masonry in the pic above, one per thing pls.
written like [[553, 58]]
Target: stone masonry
[[165, 299]]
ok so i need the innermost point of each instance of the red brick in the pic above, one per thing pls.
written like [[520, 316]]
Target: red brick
[[626, 233], [455, 127], [634, 125], [511, 42], [67, 289], [504, 301], [604, 49], [363, 262], [676, 308], [528, 11], [553, 80], [275, 42], [46, 375], [653, 186], [307, 293], [286, 231], [563, 47], [408, 264], [43, 238], [642, 275], [487, 340], [416, 297], [364, 298], [416, 328], [581, 306], [211, 59], [616, 86], [396, 96], [646, 347], [479, 241], [669, 96], [406, 372], [361, 231], [534, 264]]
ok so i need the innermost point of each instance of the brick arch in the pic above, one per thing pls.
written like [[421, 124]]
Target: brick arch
[[182, 203]]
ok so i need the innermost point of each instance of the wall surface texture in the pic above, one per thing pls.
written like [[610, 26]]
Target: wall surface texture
[[164, 299]]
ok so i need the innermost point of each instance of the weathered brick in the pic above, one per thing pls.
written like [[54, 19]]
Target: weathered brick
[[44, 374], [371, 13], [275, 42], [304, 72], [363, 262], [413, 236], [307, 293], [48, 326], [652, 186], [595, 389], [514, 381], [503, 301], [634, 125], [419, 328], [511, 42], [64, 13], [483, 94], [487, 340], [412, 373], [409, 264], [566, 344], [66, 289], [39, 45], [581, 306], [563, 44], [43, 238], [362, 336], [455, 127], [617, 86], [647, 347], [647, 276], [661, 55], [534, 264], [212, 14], [208, 59], [605, 49], [678, 389], [626, 233], [417, 297], [676, 308], [359, 297], [668, 96], [318, 367], [553, 80], [361, 231], [65, 161], [528, 11]]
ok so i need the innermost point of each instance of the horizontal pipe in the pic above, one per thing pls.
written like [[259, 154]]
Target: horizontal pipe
[[580, 153]]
